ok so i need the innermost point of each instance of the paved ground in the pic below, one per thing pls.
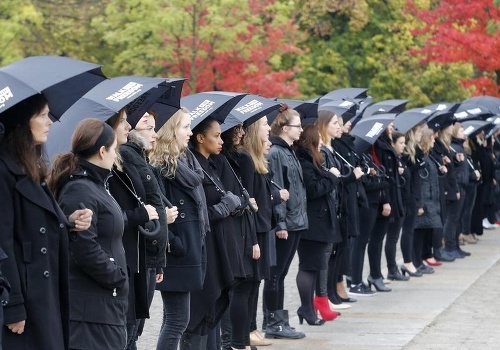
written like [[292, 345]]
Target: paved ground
[[458, 307]]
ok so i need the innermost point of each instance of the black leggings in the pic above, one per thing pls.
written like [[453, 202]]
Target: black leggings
[[391, 243], [375, 246], [422, 237], [274, 288], [368, 215], [407, 237], [240, 311]]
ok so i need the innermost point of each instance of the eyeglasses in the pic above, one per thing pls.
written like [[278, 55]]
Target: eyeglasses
[[149, 128], [295, 126]]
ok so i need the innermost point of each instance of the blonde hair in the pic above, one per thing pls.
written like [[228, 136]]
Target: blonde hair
[[411, 144], [252, 143], [445, 138], [167, 151], [425, 143], [456, 128], [283, 118]]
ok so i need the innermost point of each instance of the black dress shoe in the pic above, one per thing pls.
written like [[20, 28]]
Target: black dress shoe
[[378, 283], [425, 269], [397, 276], [464, 253], [348, 300]]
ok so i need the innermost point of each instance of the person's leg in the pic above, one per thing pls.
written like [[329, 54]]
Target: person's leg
[[322, 280], [226, 330], [407, 239], [151, 285], [240, 315], [391, 243], [450, 225], [375, 247], [306, 281], [175, 319], [418, 246], [294, 238]]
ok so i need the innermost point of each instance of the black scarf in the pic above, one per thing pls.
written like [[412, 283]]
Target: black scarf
[[189, 174]]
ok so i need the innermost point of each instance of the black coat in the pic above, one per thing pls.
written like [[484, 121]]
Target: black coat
[[430, 197], [388, 158], [133, 155], [461, 168], [413, 197], [287, 173], [36, 242], [120, 185], [224, 260], [321, 201], [449, 181], [186, 260], [4, 293], [98, 268]]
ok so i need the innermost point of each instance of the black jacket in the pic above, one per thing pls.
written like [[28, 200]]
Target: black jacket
[[33, 236], [321, 201], [449, 181], [413, 188], [98, 267], [430, 195], [287, 173], [186, 260], [388, 158], [461, 168], [133, 155]]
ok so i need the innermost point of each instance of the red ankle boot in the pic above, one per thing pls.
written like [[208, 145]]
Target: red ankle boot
[[321, 304]]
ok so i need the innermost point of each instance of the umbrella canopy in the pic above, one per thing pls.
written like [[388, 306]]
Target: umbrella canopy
[[387, 106], [250, 109], [304, 108], [408, 119], [368, 130], [355, 94], [469, 111], [164, 101], [343, 108], [216, 104], [473, 127], [440, 119], [102, 102], [62, 80], [443, 107], [490, 103]]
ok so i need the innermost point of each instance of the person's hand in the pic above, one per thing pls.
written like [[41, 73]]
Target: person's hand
[[373, 172], [284, 194], [159, 278], [152, 213], [386, 209], [401, 170], [446, 160], [254, 204], [460, 157], [256, 252], [458, 195], [17, 327], [494, 182], [358, 172], [282, 234], [171, 214], [420, 211], [478, 174], [82, 219], [443, 169], [334, 171]]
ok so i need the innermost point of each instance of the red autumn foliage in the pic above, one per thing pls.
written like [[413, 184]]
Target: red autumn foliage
[[464, 31], [234, 69]]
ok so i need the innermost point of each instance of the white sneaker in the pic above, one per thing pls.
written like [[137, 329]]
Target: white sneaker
[[489, 226]]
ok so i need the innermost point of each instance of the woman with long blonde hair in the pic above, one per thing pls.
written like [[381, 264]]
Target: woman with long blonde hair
[[180, 177]]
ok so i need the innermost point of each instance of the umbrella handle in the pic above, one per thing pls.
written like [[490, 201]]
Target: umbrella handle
[[155, 231], [423, 173]]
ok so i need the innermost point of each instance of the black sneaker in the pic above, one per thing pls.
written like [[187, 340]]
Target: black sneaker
[[361, 290]]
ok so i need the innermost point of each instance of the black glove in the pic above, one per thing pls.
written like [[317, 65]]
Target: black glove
[[228, 203]]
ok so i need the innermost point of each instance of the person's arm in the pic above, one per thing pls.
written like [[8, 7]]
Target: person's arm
[[85, 250], [277, 170], [317, 187]]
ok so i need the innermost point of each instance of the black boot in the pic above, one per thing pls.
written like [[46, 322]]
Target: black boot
[[191, 341], [395, 275], [278, 326]]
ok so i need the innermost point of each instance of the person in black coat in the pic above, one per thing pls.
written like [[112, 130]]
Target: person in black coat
[[98, 268], [256, 178], [33, 234], [181, 181], [225, 263], [391, 206], [127, 188], [4, 292], [413, 160], [133, 153], [323, 227]]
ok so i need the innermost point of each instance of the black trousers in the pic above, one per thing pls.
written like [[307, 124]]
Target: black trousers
[[375, 246], [359, 243]]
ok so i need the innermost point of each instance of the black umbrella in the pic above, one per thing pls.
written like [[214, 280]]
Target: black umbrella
[[216, 104], [354, 94], [62, 80], [408, 119], [387, 106], [304, 108], [343, 108], [368, 130], [443, 107], [473, 127], [102, 102], [164, 101], [250, 109], [469, 111], [490, 103]]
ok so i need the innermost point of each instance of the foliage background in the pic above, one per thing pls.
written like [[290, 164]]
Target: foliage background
[[422, 50]]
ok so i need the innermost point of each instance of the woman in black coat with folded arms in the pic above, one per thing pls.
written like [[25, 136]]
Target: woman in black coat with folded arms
[[323, 224], [32, 234], [98, 268]]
